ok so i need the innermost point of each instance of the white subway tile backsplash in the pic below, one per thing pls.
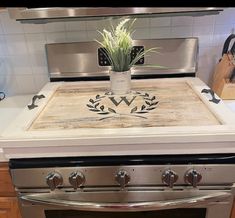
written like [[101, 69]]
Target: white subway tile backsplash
[[96, 25], [92, 35], [75, 25], [205, 34], [221, 32], [1, 29], [78, 36], [16, 44], [18, 64], [226, 17], [204, 20], [182, 21], [33, 28], [160, 32], [10, 26], [56, 37], [36, 42], [3, 49], [2, 65], [54, 27], [142, 23], [39, 63], [22, 46], [160, 21], [26, 84], [205, 55], [9, 84], [141, 33], [40, 81], [205, 74], [182, 31]]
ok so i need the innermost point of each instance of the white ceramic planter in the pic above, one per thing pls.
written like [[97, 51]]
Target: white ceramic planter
[[120, 82]]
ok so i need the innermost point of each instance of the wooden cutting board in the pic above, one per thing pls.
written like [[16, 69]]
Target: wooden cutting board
[[148, 105]]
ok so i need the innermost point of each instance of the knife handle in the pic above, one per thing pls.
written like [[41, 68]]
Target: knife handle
[[227, 43], [232, 75]]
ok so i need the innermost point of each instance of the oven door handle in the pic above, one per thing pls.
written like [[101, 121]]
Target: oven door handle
[[41, 199]]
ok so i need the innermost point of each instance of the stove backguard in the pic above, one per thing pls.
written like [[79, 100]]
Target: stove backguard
[[84, 61]]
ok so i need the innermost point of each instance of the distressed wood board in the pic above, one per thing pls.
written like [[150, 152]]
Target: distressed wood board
[[156, 104]]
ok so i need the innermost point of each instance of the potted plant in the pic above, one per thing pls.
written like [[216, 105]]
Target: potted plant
[[118, 44]]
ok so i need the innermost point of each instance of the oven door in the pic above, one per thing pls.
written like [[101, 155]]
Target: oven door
[[190, 203]]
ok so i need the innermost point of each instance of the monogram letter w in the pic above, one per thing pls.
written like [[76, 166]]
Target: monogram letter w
[[128, 103]]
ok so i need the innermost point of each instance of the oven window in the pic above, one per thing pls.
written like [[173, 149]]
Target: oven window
[[176, 213]]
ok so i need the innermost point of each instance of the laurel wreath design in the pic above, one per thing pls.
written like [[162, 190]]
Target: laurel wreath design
[[94, 105], [150, 103]]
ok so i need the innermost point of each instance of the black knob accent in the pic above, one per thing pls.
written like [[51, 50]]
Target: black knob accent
[[76, 179], [54, 180], [193, 177], [169, 177], [122, 178]]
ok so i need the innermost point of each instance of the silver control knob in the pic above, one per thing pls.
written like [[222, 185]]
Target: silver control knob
[[122, 178], [76, 179], [54, 180], [192, 177], [169, 177]]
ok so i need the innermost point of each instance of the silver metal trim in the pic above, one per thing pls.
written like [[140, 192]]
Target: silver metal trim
[[80, 59], [55, 13], [55, 199]]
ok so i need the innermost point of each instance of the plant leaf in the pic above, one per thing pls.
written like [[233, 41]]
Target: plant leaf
[[148, 103], [96, 105], [150, 108], [103, 113], [92, 101], [94, 110], [154, 103], [90, 106], [143, 107], [111, 110], [134, 109]]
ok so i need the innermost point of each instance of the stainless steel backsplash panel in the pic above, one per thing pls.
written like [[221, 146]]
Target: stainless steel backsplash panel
[[80, 59]]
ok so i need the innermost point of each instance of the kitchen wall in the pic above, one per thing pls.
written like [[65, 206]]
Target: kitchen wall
[[23, 66]]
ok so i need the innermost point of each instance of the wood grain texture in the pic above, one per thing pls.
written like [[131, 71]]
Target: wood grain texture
[[6, 186], [9, 207], [233, 210], [149, 105]]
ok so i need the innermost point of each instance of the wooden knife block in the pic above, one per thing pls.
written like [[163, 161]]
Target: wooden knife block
[[226, 90]]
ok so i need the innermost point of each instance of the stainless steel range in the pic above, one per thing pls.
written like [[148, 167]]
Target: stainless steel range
[[184, 186], [139, 181]]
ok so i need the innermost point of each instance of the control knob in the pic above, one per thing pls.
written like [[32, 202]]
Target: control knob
[[122, 178], [169, 177], [76, 179], [54, 180], [192, 177]]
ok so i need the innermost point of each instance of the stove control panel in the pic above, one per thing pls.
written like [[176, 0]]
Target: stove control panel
[[54, 180], [104, 61], [124, 176]]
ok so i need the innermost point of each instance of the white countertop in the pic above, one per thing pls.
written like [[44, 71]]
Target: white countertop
[[231, 104], [10, 107]]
